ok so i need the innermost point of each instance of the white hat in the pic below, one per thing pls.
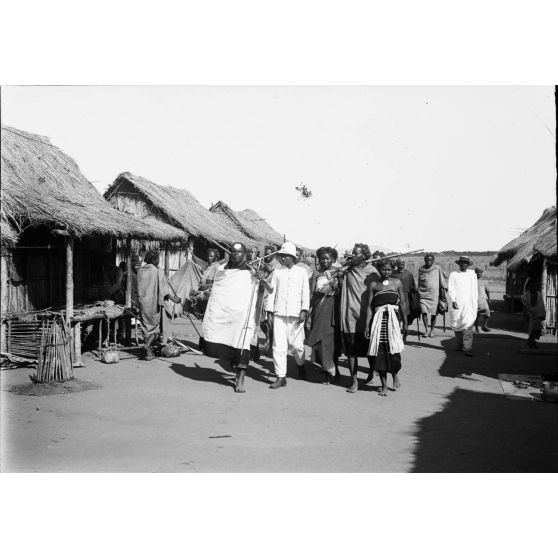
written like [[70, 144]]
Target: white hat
[[288, 249]]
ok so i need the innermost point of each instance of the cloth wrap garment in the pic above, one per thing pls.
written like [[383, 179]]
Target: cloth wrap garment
[[152, 289], [324, 334], [536, 313], [386, 341], [463, 289], [353, 305], [432, 282], [229, 320]]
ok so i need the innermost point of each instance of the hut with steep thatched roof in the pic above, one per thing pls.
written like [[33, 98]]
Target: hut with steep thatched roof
[[253, 225], [532, 255], [57, 231], [144, 198]]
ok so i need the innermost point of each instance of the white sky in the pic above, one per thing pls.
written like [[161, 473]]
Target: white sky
[[434, 167]]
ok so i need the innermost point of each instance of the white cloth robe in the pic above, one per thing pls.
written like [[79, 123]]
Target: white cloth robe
[[230, 315], [463, 289]]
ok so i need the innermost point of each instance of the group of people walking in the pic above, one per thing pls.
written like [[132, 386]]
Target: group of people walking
[[360, 309]]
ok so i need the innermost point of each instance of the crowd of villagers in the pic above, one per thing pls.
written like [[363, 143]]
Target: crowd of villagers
[[361, 308]]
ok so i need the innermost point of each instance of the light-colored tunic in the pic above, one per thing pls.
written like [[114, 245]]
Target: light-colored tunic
[[484, 293], [152, 289], [430, 281], [463, 289], [230, 315]]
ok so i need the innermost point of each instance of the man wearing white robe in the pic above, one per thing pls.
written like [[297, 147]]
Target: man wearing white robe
[[229, 321], [463, 297]]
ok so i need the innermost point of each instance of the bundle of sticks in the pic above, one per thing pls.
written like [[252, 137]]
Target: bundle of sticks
[[24, 338], [55, 361]]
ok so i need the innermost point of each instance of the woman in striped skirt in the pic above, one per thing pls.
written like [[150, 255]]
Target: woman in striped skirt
[[386, 313]]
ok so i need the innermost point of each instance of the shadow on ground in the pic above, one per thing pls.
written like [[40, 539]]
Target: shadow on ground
[[484, 432], [498, 354]]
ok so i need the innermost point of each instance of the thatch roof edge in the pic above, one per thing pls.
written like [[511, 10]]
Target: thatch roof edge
[[541, 234]]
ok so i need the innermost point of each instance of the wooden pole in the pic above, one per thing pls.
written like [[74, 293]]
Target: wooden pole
[[544, 291], [69, 279], [167, 259], [129, 271], [75, 336], [190, 248], [4, 295]]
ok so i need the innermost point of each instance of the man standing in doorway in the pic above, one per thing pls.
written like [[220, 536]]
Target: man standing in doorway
[[463, 294], [287, 305]]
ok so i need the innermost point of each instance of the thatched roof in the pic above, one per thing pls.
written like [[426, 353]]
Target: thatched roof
[[41, 185], [8, 236], [179, 207], [249, 223], [541, 237], [260, 226]]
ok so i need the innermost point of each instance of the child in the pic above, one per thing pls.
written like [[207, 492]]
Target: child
[[483, 312], [536, 313]]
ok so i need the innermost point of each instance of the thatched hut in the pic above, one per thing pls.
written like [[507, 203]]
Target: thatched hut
[[143, 198], [532, 255], [253, 225], [57, 230]]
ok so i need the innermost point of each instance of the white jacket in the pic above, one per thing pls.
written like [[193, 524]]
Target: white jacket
[[291, 292]]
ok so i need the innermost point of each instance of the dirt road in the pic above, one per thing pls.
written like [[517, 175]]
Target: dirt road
[[182, 415]]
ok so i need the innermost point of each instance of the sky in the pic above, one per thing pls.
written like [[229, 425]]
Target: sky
[[402, 167]]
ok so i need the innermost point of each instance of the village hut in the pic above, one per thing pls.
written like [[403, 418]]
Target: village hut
[[57, 231], [532, 255], [176, 207], [253, 225]]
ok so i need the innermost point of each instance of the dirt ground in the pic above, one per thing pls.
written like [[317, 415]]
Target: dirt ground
[[182, 415]]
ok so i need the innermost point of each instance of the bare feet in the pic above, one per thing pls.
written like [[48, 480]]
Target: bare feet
[[239, 383], [383, 392], [431, 333], [354, 386], [396, 382]]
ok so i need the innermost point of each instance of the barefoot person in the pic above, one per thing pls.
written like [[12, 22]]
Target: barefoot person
[[483, 312], [353, 305], [386, 310], [535, 312], [432, 286], [408, 281], [463, 294], [153, 291], [229, 320], [270, 264], [323, 320], [287, 305]]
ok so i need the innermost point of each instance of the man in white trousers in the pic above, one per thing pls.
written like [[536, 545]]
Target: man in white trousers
[[463, 295], [287, 305]]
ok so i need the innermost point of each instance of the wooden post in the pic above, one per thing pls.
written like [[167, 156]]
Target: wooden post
[[167, 259], [544, 291], [4, 296], [181, 256], [69, 279], [190, 248], [75, 331], [129, 271]]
